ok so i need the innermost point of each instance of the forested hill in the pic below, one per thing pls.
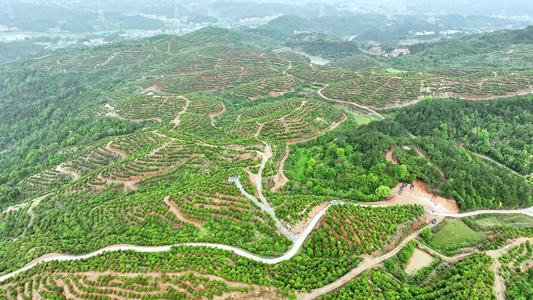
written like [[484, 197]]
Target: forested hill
[[502, 49], [21, 50]]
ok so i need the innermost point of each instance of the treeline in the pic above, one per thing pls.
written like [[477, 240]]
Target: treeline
[[472, 51], [327, 49]]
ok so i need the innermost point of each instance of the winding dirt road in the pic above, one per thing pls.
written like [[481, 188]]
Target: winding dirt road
[[176, 120]]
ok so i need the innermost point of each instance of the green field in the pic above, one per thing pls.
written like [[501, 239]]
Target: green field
[[488, 222], [362, 120], [456, 234], [394, 71], [518, 220]]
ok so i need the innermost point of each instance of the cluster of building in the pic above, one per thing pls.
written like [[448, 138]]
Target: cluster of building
[[9, 29]]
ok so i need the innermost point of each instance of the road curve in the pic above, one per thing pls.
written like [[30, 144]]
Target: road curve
[[367, 263], [240, 252]]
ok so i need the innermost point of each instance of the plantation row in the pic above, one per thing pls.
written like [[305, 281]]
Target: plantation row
[[278, 109], [203, 105], [181, 265], [175, 286], [517, 271], [305, 122], [144, 141], [241, 56], [267, 87], [375, 91], [194, 122], [161, 108], [320, 74], [354, 230], [43, 182], [167, 158], [519, 258], [131, 158], [503, 84], [213, 57], [78, 223], [384, 90], [213, 80], [472, 73], [95, 159], [469, 279], [102, 60], [238, 130]]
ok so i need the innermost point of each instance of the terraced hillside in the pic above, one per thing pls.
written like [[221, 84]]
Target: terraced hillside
[[210, 167], [267, 87], [403, 89], [375, 90], [142, 108], [320, 74]]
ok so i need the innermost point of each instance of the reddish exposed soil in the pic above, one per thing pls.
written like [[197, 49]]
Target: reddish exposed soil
[[389, 157], [175, 210], [301, 225], [420, 195], [117, 151], [176, 120], [280, 180], [156, 87]]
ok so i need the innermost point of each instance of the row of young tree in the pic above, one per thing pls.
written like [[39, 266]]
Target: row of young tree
[[469, 279]]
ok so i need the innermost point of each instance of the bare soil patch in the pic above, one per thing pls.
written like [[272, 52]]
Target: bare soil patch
[[156, 87], [421, 195], [299, 227], [419, 260], [70, 172], [117, 151], [389, 157], [280, 180], [176, 121]]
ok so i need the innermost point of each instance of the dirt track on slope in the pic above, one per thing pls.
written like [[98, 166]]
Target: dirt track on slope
[[174, 209], [389, 157]]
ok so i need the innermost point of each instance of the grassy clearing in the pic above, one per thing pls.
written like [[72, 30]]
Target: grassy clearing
[[363, 120], [456, 234], [488, 222], [394, 71], [518, 220], [301, 164]]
